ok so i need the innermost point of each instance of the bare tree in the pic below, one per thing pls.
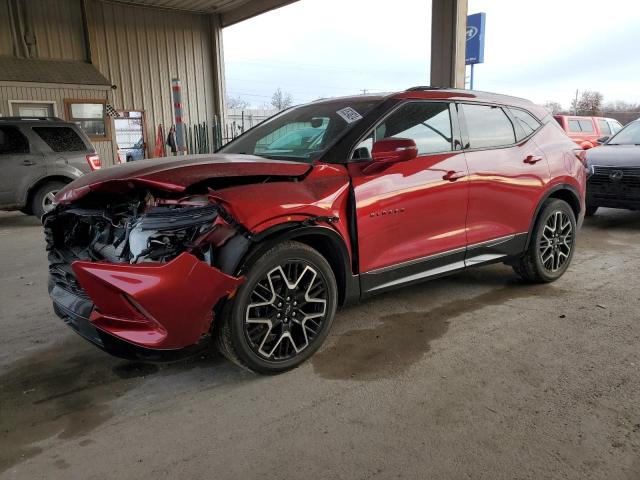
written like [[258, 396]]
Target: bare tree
[[237, 102], [622, 111], [281, 100], [590, 103], [553, 107]]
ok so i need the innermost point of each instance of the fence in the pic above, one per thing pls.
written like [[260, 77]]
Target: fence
[[207, 138], [241, 120]]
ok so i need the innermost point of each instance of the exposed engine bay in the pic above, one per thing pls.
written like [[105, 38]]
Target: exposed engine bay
[[138, 227], [135, 228]]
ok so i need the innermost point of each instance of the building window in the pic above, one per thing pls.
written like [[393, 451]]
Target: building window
[[28, 108], [90, 116]]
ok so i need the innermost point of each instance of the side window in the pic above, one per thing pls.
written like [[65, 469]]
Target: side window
[[488, 126], [61, 139], [604, 127], [427, 123], [12, 141], [90, 116], [574, 126], [526, 122], [587, 126]]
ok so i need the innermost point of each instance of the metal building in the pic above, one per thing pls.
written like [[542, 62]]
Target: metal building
[[105, 63]]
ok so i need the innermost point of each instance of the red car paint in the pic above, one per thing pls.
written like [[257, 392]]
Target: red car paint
[[402, 212], [177, 173], [155, 306]]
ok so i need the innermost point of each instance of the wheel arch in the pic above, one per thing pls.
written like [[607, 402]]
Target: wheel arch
[[323, 239], [565, 192], [34, 188]]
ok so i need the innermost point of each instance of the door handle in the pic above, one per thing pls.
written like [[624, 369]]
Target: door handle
[[452, 176], [532, 159], [28, 163]]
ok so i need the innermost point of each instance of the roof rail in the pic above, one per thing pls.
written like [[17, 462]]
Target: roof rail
[[424, 87], [38, 119]]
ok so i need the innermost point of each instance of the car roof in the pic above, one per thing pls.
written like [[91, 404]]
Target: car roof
[[35, 121], [436, 93]]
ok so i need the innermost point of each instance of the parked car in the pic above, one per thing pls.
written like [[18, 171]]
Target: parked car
[[614, 171], [153, 259], [587, 131], [40, 156]]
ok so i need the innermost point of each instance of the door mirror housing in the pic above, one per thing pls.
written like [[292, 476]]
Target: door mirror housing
[[393, 150], [602, 140]]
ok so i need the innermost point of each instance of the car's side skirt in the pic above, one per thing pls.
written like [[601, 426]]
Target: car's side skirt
[[441, 264]]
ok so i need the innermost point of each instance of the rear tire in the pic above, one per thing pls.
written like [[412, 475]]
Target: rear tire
[[551, 245], [42, 200], [283, 311], [591, 211]]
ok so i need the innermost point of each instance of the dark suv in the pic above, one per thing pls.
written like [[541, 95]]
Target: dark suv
[[39, 156], [321, 205]]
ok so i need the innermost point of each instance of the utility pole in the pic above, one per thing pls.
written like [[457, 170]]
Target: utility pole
[[364, 91], [575, 105]]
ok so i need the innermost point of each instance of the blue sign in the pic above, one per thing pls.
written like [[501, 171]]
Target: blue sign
[[475, 38]]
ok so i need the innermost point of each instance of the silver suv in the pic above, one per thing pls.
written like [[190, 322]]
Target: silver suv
[[38, 157]]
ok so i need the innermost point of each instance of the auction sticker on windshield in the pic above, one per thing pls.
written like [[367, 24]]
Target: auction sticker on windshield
[[349, 115]]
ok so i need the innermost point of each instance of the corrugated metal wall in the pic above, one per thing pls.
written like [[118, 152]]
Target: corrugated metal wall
[[141, 49], [57, 25], [55, 93], [6, 45]]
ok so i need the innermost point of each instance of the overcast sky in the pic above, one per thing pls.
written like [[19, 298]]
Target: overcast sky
[[539, 49]]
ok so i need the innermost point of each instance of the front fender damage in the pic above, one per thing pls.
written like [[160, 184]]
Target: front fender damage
[[159, 306]]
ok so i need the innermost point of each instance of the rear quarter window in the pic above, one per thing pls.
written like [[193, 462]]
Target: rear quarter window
[[61, 139], [526, 123]]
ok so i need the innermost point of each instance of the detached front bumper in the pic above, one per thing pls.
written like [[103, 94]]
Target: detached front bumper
[[145, 310]]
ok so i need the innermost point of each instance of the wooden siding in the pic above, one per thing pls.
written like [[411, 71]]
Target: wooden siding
[[56, 93], [141, 49]]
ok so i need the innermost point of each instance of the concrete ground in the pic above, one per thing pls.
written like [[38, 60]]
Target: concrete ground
[[474, 376]]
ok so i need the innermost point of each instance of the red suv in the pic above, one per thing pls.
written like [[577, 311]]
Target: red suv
[[322, 205], [588, 132]]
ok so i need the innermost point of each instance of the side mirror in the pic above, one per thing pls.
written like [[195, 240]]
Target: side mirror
[[602, 140], [392, 150]]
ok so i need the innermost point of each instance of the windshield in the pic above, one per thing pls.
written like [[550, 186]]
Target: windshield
[[629, 135], [302, 133]]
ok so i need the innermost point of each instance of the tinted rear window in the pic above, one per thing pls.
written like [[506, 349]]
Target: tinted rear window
[[488, 126], [12, 141], [61, 139]]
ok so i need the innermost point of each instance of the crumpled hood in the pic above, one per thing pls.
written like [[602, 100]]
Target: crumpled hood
[[177, 173], [614, 156]]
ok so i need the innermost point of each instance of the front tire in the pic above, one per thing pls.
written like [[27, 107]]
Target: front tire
[[551, 245], [283, 311]]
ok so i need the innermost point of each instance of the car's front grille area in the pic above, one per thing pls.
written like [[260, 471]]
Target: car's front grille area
[[613, 183], [60, 272]]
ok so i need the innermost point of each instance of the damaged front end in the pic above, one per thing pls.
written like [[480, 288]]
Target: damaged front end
[[139, 272]]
